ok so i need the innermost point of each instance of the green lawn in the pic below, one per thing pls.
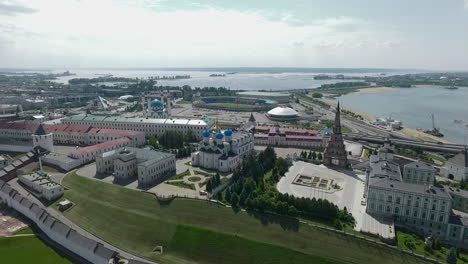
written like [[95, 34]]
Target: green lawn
[[27, 230], [198, 231], [440, 255], [27, 250], [181, 184]]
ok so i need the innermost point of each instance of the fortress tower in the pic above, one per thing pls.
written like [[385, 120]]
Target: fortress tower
[[43, 139], [335, 152]]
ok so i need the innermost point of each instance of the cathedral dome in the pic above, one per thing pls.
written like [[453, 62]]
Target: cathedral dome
[[228, 132], [206, 133], [219, 135]]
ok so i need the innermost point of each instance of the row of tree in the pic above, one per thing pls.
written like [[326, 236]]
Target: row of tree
[[175, 139], [253, 188], [213, 182], [311, 155]]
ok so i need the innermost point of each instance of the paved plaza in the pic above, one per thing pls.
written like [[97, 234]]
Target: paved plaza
[[349, 195]]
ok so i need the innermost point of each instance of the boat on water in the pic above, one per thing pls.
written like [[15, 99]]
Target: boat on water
[[458, 121], [451, 87], [435, 131]]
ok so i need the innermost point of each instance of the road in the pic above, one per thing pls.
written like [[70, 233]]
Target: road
[[454, 148]]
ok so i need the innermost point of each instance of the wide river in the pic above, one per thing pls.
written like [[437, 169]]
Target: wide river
[[414, 106], [245, 79]]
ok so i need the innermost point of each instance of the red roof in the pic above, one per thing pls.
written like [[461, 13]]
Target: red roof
[[101, 146], [261, 135], [5, 125], [24, 126], [55, 128], [77, 129]]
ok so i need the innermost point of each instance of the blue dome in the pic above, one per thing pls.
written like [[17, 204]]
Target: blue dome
[[156, 103], [206, 133], [228, 132], [219, 135]]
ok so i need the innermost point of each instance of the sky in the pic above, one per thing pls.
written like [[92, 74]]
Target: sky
[[416, 34]]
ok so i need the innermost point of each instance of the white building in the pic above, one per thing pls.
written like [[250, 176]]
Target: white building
[[150, 126], [289, 137], [456, 168], [42, 185], [283, 114], [223, 151], [126, 163]]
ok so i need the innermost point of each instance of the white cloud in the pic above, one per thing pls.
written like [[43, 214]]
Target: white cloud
[[100, 33], [466, 4]]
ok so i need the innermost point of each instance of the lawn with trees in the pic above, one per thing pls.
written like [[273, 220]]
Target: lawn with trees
[[203, 232], [175, 142], [437, 251]]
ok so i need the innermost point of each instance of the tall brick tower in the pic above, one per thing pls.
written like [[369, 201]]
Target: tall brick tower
[[335, 152]]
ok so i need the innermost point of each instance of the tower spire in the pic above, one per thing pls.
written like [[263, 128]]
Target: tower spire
[[337, 124]]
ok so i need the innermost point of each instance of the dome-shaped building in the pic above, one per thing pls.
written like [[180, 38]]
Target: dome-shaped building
[[283, 114], [156, 103], [219, 135]]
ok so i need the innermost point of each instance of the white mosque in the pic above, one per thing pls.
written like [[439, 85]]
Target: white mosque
[[224, 150], [158, 108]]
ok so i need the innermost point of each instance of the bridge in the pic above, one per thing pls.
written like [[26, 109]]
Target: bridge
[[431, 146]]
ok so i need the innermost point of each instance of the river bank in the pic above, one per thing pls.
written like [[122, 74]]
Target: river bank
[[368, 118], [378, 89]]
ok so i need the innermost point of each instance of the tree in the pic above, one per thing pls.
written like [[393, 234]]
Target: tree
[[314, 155], [452, 256], [319, 156], [317, 95], [209, 188], [437, 245], [219, 196], [310, 155], [217, 179], [235, 200], [227, 195]]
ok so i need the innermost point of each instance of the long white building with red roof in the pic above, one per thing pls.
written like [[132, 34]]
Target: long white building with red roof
[[70, 134], [89, 141], [289, 137]]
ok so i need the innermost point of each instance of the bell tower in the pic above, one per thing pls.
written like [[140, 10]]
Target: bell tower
[[335, 152]]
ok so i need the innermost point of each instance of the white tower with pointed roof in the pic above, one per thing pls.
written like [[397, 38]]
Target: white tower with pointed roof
[[43, 139]]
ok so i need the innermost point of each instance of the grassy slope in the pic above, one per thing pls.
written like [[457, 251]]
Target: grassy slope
[[137, 222], [27, 250]]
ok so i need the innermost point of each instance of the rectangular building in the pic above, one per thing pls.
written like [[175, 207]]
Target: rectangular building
[[150, 126], [148, 166]]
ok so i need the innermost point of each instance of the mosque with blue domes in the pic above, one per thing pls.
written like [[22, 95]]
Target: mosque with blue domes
[[224, 150], [158, 108]]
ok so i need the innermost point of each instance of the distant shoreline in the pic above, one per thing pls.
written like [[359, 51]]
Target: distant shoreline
[[379, 89]]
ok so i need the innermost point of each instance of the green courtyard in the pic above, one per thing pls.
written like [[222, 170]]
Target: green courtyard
[[27, 250], [192, 231]]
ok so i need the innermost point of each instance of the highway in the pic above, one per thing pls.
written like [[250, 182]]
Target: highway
[[453, 148]]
